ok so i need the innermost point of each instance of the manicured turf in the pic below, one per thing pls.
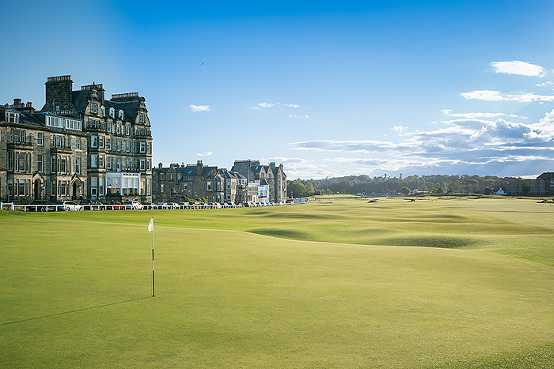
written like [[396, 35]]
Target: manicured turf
[[447, 283]]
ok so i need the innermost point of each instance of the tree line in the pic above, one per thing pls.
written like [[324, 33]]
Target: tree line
[[438, 184]]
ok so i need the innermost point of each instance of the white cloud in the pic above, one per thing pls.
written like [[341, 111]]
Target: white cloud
[[518, 67], [399, 129], [488, 95], [459, 146], [199, 108], [266, 105], [299, 116], [292, 105], [449, 113], [207, 153], [547, 83]]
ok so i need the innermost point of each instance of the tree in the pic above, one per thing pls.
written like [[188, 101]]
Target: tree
[[487, 191], [405, 190]]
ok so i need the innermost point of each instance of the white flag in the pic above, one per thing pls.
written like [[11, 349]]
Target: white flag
[[151, 225]]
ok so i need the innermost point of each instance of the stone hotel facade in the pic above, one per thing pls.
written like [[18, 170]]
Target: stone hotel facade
[[79, 145]]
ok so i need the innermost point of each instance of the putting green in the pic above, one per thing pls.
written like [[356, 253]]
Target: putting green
[[334, 284]]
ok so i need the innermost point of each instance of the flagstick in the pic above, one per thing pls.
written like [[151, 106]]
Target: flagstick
[[153, 262]]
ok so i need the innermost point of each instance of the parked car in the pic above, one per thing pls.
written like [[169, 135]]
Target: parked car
[[133, 205], [41, 205], [69, 206]]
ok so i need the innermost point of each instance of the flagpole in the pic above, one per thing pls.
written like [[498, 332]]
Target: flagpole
[[153, 294]]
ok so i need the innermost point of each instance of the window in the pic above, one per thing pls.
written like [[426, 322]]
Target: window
[[78, 143], [142, 118], [109, 144], [128, 146], [109, 163], [93, 187], [119, 129], [148, 147], [185, 187], [18, 136], [94, 141], [10, 160], [40, 160], [101, 161], [21, 187], [119, 165], [209, 186], [142, 164], [142, 147], [112, 112], [78, 165], [103, 110], [12, 117], [58, 141], [109, 128], [63, 188], [53, 165], [40, 138], [93, 161], [118, 145], [121, 114], [63, 165], [127, 129], [162, 188], [101, 141], [94, 108]]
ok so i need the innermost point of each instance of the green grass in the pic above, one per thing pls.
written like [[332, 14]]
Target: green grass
[[392, 284]]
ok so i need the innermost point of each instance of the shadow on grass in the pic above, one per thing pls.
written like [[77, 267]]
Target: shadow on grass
[[74, 311]]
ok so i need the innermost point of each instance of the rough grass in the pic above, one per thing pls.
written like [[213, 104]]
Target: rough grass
[[309, 290]]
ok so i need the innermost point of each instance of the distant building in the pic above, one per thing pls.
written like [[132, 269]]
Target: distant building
[[274, 177], [176, 182]]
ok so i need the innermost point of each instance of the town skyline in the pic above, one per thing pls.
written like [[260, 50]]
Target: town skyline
[[329, 90]]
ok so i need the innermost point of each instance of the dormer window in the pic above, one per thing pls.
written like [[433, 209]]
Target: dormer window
[[142, 118], [12, 117], [93, 108], [103, 110], [121, 116], [112, 112]]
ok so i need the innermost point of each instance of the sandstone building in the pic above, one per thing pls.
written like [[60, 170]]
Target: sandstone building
[[195, 181], [43, 156], [272, 175], [80, 145]]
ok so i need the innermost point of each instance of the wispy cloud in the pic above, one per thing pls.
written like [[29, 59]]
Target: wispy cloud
[[266, 105], [518, 67], [490, 95], [449, 113], [207, 153], [299, 116], [199, 108]]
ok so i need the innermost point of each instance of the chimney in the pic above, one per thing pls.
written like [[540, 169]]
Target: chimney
[[58, 92], [160, 166]]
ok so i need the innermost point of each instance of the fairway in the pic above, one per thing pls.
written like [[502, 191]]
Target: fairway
[[431, 283]]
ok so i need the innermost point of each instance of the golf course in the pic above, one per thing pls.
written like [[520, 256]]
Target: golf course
[[335, 283]]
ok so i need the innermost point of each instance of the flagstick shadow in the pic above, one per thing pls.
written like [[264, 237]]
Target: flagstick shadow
[[75, 311]]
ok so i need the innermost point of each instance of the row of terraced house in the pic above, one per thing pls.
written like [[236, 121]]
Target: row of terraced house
[[247, 181], [80, 145]]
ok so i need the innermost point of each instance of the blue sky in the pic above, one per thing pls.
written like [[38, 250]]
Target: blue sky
[[327, 88]]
